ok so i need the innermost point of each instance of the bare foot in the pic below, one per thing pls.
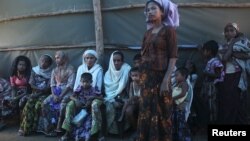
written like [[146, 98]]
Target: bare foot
[[58, 130], [20, 132], [120, 119]]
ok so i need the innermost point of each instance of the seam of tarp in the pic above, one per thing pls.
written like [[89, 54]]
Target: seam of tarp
[[123, 47], [81, 11]]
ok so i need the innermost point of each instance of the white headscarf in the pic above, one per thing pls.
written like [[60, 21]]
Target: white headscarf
[[115, 80], [46, 73], [84, 68], [170, 13]]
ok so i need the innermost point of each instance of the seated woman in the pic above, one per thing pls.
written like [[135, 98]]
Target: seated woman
[[115, 82], [20, 74], [90, 65], [5, 93], [53, 107], [40, 84]]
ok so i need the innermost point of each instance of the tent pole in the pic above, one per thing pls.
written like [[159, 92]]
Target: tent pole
[[98, 31]]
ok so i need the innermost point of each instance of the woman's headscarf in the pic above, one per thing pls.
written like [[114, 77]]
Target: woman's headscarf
[[84, 68], [170, 13], [241, 46], [89, 51], [46, 73], [235, 25], [115, 80]]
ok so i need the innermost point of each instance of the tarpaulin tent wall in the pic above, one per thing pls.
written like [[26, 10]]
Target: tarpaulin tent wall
[[34, 27]]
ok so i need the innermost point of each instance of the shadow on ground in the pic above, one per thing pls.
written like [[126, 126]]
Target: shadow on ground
[[10, 134]]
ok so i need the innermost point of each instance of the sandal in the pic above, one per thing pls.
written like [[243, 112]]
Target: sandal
[[51, 134], [63, 138], [58, 131], [21, 132], [101, 139]]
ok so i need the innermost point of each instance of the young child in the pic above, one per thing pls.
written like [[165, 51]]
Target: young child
[[191, 80], [131, 106], [82, 98], [181, 101], [213, 78], [19, 80], [137, 60]]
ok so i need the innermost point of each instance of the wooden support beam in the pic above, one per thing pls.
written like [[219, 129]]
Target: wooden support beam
[[98, 31]]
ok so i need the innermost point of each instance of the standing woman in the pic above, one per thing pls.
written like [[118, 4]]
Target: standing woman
[[159, 55], [235, 80]]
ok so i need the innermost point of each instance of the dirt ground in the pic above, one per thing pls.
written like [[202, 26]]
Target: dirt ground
[[10, 134]]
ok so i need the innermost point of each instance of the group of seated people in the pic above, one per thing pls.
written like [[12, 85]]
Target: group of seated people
[[53, 100]]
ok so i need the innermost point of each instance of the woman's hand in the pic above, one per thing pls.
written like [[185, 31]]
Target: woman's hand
[[241, 55], [78, 103], [32, 96], [56, 98], [117, 104], [165, 86]]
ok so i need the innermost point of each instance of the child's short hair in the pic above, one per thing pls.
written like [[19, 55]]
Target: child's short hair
[[211, 46], [137, 57], [183, 71], [86, 76], [134, 69]]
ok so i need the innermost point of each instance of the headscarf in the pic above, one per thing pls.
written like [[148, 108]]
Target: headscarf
[[115, 80], [89, 51], [84, 68], [235, 25], [170, 13], [46, 73], [241, 46]]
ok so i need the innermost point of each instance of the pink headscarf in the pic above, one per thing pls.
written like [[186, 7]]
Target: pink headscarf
[[170, 11]]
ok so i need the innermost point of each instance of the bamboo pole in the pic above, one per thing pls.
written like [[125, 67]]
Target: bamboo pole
[[98, 31]]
